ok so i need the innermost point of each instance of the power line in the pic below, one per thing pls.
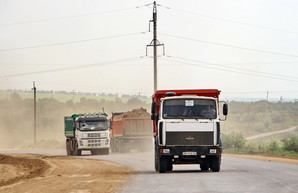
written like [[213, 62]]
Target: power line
[[230, 46], [73, 42], [75, 67], [230, 21], [272, 62], [234, 71], [243, 69], [72, 64], [70, 17]]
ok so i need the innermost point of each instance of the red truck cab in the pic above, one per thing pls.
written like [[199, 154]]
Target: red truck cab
[[186, 128]]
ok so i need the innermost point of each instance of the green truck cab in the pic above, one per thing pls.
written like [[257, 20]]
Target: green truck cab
[[87, 132]]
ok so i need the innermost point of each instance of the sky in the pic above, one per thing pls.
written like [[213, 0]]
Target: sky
[[245, 48]]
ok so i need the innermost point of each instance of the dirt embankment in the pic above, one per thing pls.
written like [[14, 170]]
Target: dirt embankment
[[47, 174]]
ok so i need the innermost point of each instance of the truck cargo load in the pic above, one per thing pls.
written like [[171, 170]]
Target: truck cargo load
[[131, 130]]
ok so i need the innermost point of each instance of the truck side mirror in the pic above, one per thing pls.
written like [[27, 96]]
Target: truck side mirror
[[225, 109], [153, 117], [153, 107], [109, 124]]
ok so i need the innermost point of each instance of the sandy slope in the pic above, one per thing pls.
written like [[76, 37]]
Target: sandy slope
[[48, 174]]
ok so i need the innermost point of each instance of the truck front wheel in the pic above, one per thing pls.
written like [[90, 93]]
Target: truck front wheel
[[156, 160], [204, 166], [162, 165], [169, 166], [215, 164], [68, 151], [77, 152]]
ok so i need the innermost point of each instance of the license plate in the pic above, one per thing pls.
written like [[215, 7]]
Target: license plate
[[189, 153]]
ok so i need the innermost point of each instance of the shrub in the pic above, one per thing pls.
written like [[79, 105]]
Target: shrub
[[291, 144], [233, 140], [273, 146]]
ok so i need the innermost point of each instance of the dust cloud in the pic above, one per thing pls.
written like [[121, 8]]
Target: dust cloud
[[17, 118]]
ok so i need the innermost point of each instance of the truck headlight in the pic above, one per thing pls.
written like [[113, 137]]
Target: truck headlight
[[104, 135], [212, 150], [165, 150], [84, 135]]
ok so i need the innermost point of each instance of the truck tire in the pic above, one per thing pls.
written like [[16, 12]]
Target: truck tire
[[162, 165], [215, 164], [156, 161], [169, 165], [95, 152], [204, 166], [68, 151], [105, 151], [114, 145], [77, 152]]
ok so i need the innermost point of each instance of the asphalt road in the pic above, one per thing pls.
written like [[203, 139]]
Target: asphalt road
[[236, 175]]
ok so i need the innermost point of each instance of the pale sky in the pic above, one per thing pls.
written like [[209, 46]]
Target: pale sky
[[242, 47]]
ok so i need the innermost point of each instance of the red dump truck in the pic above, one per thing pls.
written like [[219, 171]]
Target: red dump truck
[[187, 128], [131, 131]]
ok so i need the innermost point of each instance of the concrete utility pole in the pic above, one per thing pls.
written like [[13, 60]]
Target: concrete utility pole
[[155, 43], [34, 89]]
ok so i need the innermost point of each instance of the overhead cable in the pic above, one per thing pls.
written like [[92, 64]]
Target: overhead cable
[[199, 64], [230, 46], [72, 16], [229, 20], [73, 42], [237, 68], [75, 67]]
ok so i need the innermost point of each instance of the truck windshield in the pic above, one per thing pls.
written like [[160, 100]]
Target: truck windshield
[[93, 126], [189, 109]]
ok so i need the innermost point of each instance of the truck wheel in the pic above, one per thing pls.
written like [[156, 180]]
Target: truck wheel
[[156, 160], [77, 152], [106, 151], [215, 164], [68, 147], [156, 164], [95, 152], [204, 166], [162, 165], [169, 165], [123, 148], [113, 145]]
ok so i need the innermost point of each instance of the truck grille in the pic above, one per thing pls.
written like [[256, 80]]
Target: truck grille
[[95, 135], [189, 138]]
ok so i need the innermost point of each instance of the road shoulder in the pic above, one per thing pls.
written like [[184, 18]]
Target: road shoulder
[[264, 158]]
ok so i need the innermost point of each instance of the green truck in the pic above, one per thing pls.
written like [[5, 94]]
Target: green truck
[[87, 132]]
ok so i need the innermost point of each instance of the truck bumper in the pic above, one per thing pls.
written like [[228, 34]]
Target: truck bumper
[[189, 154], [87, 144]]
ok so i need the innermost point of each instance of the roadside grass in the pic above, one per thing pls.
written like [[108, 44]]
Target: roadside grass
[[235, 143]]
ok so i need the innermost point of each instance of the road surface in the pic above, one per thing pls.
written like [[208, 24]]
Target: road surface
[[236, 175]]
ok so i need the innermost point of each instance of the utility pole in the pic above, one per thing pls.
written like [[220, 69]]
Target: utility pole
[[73, 102], [34, 90], [155, 43]]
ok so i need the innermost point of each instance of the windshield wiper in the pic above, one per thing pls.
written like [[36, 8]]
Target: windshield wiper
[[176, 116]]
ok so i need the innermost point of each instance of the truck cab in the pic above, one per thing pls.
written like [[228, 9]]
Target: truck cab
[[87, 132], [187, 128]]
